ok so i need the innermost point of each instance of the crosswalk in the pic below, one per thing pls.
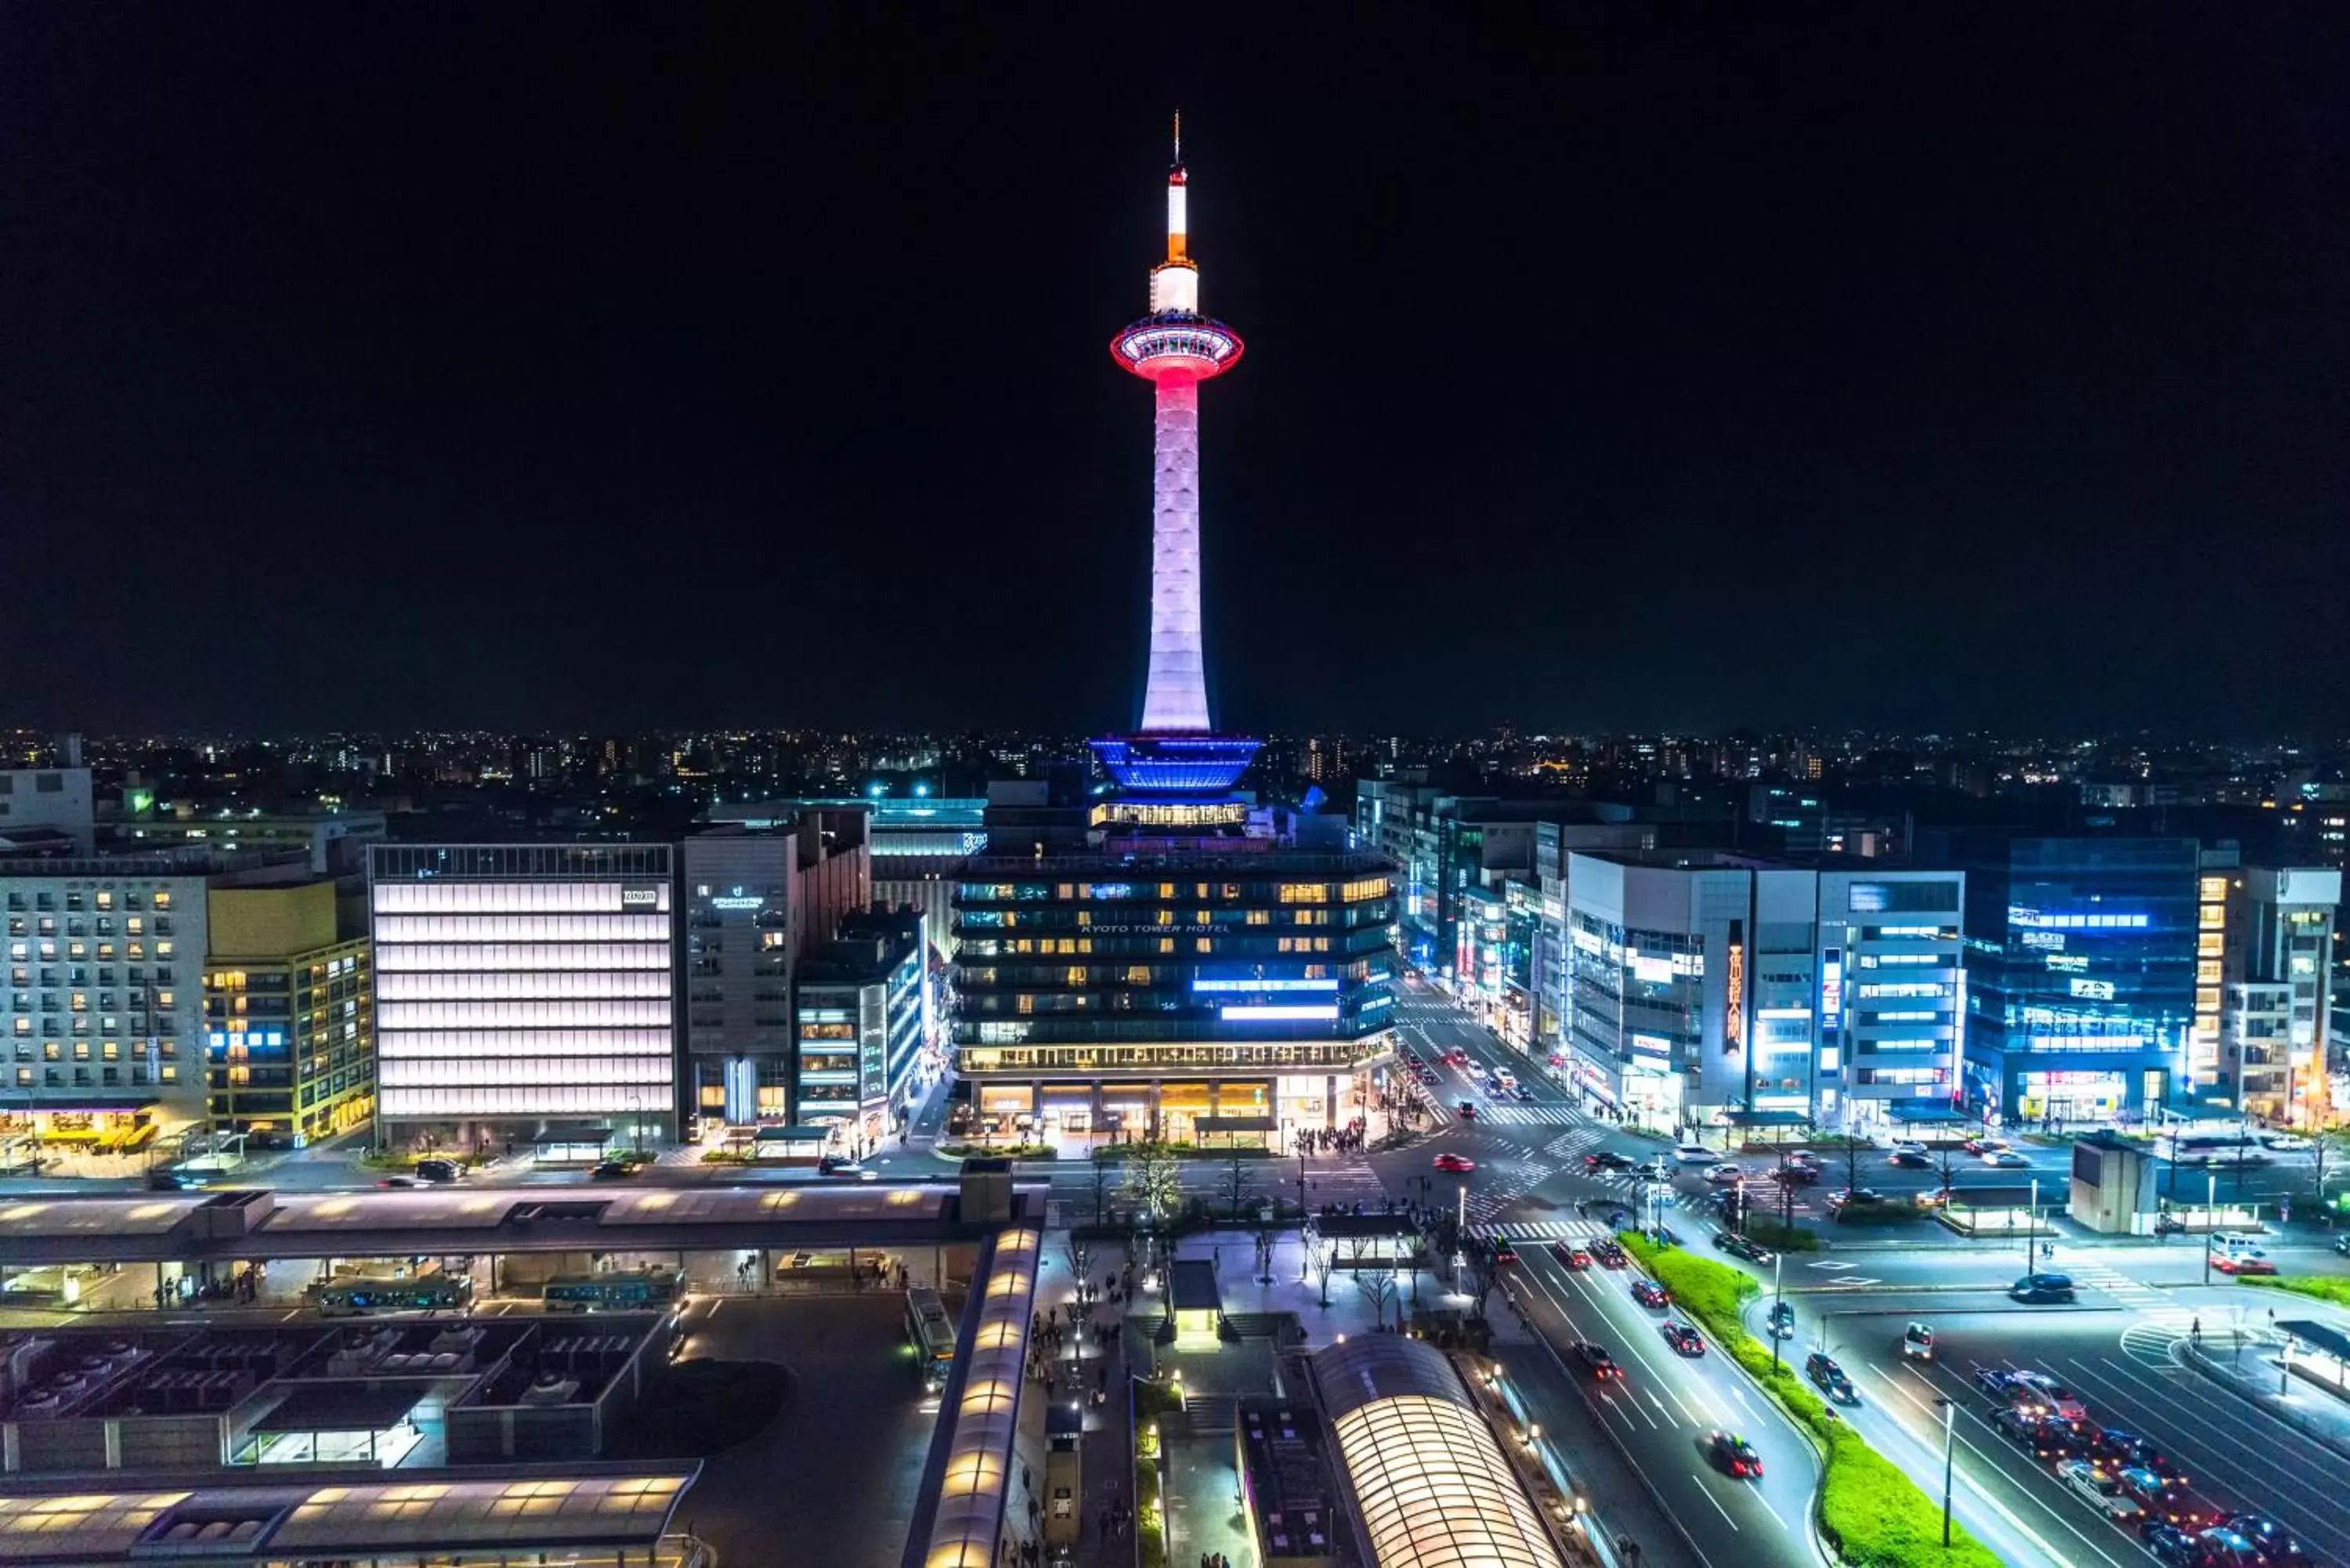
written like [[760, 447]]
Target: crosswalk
[[1517, 1115], [1541, 1230], [2130, 1293]]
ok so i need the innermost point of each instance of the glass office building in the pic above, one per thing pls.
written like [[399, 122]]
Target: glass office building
[[2081, 957]]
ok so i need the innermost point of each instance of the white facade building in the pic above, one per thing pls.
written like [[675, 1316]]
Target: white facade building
[[524, 993], [37, 802], [1704, 987]]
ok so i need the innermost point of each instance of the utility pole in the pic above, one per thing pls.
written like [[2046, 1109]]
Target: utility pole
[[1949, 1416], [2210, 1198], [1778, 1301]]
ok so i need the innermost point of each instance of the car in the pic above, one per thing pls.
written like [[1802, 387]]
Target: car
[[2285, 1143], [1843, 1195], [438, 1170], [1522, 1093], [161, 1180], [611, 1171], [1609, 1255], [845, 1169], [1427, 1076], [1733, 1454], [1608, 1159], [1908, 1162], [2046, 1396], [1725, 1173], [2275, 1544], [2224, 1548], [1781, 1320], [1684, 1339], [1466, 1110], [2341, 1245], [2249, 1263], [1822, 1369], [1556, 1060], [2158, 1494], [1908, 1146], [2036, 1290], [1694, 1154], [1658, 1170], [2048, 1439], [399, 1181], [1984, 1145], [1504, 1253], [1738, 1246], [1597, 1362], [1649, 1293], [2006, 1159], [1573, 1257], [1456, 1057], [1795, 1175], [1460, 1163], [1917, 1342], [2098, 1489], [2124, 1450], [2174, 1546]]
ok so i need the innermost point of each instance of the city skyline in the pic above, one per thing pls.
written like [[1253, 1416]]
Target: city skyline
[[1604, 370]]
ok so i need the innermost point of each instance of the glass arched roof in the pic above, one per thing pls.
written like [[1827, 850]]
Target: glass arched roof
[[1432, 1485]]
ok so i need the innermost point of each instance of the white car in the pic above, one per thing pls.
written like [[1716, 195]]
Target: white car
[[1724, 1174], [1695, 1154], [1908, 1146], [1918, 1343], [2098, 1489]]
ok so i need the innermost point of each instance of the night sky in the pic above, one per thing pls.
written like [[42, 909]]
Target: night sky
[[580, 367]]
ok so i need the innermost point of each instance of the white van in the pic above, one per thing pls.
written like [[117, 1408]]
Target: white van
[[1507, 1079], [2236, 1244], [1695, 1154]]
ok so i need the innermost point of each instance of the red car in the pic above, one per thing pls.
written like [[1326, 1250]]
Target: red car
[[1504, 1253], [1734, 1454], [1649, 1293], [2246, 1265], [1456, 1057], [1685, 1340], [1573, 1257], [1459, 1162], [1465, 1111]]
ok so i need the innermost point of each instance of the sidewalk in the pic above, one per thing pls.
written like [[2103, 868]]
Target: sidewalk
[[2251, 1363]]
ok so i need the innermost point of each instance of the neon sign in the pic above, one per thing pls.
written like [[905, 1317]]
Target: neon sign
[[1733, 1026]]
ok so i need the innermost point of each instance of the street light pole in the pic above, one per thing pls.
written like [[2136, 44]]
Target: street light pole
[[2210, 1198], [1778, 1300], [1949, 1416], [2032, 1231]]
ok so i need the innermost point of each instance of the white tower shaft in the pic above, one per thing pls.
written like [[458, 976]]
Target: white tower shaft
[[1176, 697]]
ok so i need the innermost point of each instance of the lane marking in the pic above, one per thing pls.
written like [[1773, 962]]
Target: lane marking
[[1697, 1482]]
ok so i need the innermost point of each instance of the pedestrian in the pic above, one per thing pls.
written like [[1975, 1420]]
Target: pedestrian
[[2195, 1329]]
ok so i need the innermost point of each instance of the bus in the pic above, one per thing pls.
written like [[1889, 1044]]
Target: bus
[[932, 1335], [636, 1289], [365, 1297]]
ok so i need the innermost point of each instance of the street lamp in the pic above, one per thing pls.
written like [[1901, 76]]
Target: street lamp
[[2032, 1230], [2210, 1198], [1949, 1416], [1778, 1300]]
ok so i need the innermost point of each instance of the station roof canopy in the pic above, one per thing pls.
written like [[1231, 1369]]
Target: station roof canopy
[[1433, 1488], [341, 1515], [460, 1220], [340, 1406], [1767, 1118], [2324, 1336]]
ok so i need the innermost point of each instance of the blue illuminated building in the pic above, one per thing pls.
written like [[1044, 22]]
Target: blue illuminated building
[[2080, 970]]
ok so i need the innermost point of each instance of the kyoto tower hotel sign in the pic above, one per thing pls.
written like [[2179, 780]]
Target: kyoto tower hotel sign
[[1175, 348]]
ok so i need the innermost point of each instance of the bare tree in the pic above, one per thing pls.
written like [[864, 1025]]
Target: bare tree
[[1321, 1257], [1080, 1250], [1154, 1180], [1236, 1182], [1101, 1179], [1379, 1288]]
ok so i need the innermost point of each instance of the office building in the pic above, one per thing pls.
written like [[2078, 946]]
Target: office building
[[915, 844], [289, 1014], [106, 1007], [523, 995], [1706, 988], [2275, 1021], [861, 1010], [742, 939], [2081, 979], [46, 811], [334, 843]]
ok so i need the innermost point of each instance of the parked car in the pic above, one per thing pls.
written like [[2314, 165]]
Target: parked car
[[1917, 1342], [1649, 1293], [1597, 1362], [1684, 1339], [2098, 1489]]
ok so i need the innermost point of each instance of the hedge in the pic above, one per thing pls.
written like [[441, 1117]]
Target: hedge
[[1780, 1237], [2324, 1288], [1874, 1515]]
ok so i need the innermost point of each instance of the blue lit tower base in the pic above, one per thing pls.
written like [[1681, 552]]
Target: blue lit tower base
[[1192, 764]]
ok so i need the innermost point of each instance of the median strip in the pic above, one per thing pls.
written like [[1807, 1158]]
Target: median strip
[[1870, 1513]]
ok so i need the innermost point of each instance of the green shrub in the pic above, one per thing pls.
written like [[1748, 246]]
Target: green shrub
[[2324, 1288], [1892, 1211], [997, 1151], [1875, 1516], [1781, 1238], [1150, 1515]]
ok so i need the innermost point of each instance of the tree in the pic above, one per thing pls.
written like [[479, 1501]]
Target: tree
[[1154, 1180], [1264, 1239], [2325, 1143], [1852, 1147], [1321, 1257], [1101, 1179], [1236, 1182], [1948, 1172], [1080, 1254], [1379, 1288]]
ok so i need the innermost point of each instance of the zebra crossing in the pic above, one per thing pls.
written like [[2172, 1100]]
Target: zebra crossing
[[1541, 1230], [2112, 1281], [1518, 1116]]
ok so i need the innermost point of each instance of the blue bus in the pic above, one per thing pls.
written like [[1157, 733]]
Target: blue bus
[[637, 1290], [932, 1335], [366, 1298]]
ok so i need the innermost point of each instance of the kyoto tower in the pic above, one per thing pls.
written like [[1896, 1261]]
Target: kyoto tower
[[1176, 749]]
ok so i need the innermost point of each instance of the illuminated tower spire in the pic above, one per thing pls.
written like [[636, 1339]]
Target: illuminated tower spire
[[1175, 348]]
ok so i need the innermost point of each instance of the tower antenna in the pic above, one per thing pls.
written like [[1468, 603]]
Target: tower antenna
[[1179, 136]]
